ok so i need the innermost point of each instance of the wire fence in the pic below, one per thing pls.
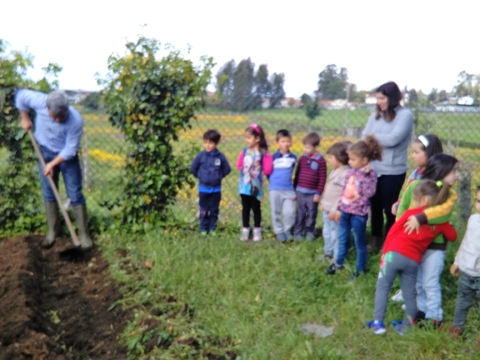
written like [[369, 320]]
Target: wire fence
[[103, 149]]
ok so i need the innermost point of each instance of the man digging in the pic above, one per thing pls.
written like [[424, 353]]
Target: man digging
[[58, 129]]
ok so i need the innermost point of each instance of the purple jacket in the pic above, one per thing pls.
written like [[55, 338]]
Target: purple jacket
[[359, 188]]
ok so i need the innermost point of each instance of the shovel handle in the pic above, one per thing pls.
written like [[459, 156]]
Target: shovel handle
[[74, 236]]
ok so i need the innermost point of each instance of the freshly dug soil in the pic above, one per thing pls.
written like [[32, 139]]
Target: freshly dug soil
[[56, 307]]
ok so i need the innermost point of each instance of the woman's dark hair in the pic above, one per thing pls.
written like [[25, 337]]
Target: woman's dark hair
[[394, 96], [433, 190], [430, 143], [257, 131], [439, 166], [339, 151], [368, 148]]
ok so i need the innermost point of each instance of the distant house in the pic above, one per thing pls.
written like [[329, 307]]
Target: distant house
[[290, 102], [370, 99]]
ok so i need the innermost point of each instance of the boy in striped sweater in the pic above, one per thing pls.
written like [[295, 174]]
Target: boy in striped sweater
[[310, 178]]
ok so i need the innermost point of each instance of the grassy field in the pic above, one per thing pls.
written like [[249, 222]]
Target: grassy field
[[258, 296]]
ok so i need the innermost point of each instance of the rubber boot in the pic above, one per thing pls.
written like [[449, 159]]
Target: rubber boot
[[51, 210], [80, 212]]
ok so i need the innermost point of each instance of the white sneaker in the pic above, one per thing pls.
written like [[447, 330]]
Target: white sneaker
[[257, 234], [398, 297], [403, 307], [245, 234]]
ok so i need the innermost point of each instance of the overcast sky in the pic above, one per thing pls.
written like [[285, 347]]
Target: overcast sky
[[419, 44]]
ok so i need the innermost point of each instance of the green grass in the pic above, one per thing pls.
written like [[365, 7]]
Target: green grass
[[260, 295]]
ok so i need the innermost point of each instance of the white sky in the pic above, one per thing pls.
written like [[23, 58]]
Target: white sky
[[418, 43]]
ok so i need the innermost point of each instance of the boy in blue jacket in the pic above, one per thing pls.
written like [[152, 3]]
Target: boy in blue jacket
[[210, 167]]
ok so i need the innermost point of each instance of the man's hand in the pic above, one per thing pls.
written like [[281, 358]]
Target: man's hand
[[367, 169], [26, 124], [316, 198], [454, 270], [411, 224], [48, 169]]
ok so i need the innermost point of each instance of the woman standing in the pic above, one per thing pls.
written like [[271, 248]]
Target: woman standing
[[392, 125]]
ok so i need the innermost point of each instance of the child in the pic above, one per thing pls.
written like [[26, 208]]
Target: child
[[282, 195], [354, 203], [423, 148], [467, 264], [253, 161], [402, 253], [429, 292], [210, 166], [310, 178], [338, 158]]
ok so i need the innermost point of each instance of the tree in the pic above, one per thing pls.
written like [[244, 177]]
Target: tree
[[151, 99], [311, 106], [433, 96], [225, 83], [442, 95], [332, 83], [412, 97], [262, 86], [277, 93], [243, 98]]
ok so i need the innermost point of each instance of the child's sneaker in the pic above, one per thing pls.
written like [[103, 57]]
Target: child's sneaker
[[354, 276], [310, 236], [203, 235], [212, 233], [257, 234], [332, 269], [289, 236], [378, 327], [281, 237], [398, 326], [398, 297], [298, 237], [245, 234]]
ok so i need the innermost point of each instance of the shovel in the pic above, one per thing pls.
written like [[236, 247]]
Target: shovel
[[74, 236]]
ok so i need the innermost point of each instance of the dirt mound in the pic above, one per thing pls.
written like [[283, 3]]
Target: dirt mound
[[54, 307]]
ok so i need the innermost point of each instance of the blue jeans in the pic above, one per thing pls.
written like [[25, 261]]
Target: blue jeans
[[209, 209], [429, 291], [358, 224], [330, 236], [71, 174]]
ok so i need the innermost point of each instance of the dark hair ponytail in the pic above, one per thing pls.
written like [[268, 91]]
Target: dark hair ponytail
[[438, 167]]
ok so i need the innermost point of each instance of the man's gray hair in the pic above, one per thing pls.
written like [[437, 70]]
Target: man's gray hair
[[57, 102]]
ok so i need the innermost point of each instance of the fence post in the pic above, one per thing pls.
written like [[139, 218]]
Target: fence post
[[465, 193], [85, 160]]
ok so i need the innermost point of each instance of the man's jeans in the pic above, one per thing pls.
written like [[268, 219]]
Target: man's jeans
[[71, 174]]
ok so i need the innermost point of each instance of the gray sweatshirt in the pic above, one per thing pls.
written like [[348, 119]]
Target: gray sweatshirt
[[468, 255], [394, 136]]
